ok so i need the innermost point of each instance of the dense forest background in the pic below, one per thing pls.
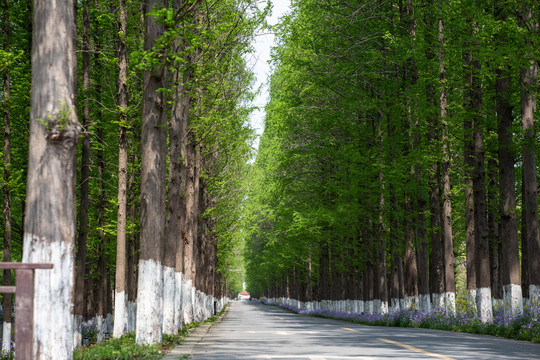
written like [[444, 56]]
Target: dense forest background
[[177, 73], [397, 165]]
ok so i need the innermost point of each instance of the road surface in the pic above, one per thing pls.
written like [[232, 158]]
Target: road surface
[[255, 331]]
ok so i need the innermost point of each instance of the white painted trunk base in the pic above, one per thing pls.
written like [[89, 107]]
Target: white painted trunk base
[[513, 300], [424, 302], [376, 306], [132, 316], [483, 304], [187, 303], [179, 279], [6, 338], [534, 300], [395, 305], [197, 311], [149, 304], [383, 308], [194, 302], [369, 306], [53, 322], [471, 299], [101, 325], [438, 300], [169, 291], [120, 314], [450, 302], [77, 331]]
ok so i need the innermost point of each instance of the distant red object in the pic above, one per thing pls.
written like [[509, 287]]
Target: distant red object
[[244, 293]]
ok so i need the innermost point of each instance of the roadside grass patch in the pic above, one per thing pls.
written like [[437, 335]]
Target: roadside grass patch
[[125, 348], [524, 327]]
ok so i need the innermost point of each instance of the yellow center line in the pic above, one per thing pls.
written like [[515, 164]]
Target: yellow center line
[[412, 348], [349, 329]]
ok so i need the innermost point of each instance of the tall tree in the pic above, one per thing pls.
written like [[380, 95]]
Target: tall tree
[[153, 177], [529, 77], [447, 226], [7, 305], [49, 226], [120, 297], [509, 233], [79, 301]]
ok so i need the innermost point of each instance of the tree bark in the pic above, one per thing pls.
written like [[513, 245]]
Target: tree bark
[[447, 230], [509, 234], [80, 272], [483, 289], [120, 293], [153, 187], [102, 288], [531, 239], [6, 339], [49, 226]]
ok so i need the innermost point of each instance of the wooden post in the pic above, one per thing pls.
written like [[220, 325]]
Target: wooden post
[[24, 306]]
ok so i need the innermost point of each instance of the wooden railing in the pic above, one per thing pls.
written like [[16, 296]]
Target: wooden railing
[[24, 306]]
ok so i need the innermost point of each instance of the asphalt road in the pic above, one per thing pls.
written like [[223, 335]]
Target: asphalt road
[[255, 331]]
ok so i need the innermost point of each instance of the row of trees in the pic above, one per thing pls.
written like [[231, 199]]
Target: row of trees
[[398, 158], [137, 204]]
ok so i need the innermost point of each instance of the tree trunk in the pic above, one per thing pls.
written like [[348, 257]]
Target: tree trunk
[[447, 231], [483, 289], [176, 190], [510, 246], [192, 197], [410, 266], [80, 272], [530, 187], [153, 187], [6, 330], [49, 227], [381, 254], [424, 298], [102, 289], [120, 293], [436, 259], [470, 247], [133, 246], [493, 227]]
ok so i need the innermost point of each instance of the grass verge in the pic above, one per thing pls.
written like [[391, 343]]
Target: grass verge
[[125, 348]]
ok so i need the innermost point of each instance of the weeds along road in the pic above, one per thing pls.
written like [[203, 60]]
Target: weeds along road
[[255, 331]]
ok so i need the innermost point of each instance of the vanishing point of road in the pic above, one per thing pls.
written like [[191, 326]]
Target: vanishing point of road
[[252, 330]]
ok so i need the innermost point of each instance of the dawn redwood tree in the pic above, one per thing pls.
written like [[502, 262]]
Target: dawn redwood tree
[[49, 226], [153, 189], [508, 221], [447, 226], [531, 234], [120, 294], [79, 301], [7, 304]]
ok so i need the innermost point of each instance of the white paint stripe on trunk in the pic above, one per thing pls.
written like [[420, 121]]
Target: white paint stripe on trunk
[[513, 300], [534, 300], [6, 338], [77, 331], [101, 326], [149, 303], [53, 322], [179, 283], [424, 302], [132, 316], [169, 293], [483, 303], [450, 302], [187, 304], [120, 314]]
